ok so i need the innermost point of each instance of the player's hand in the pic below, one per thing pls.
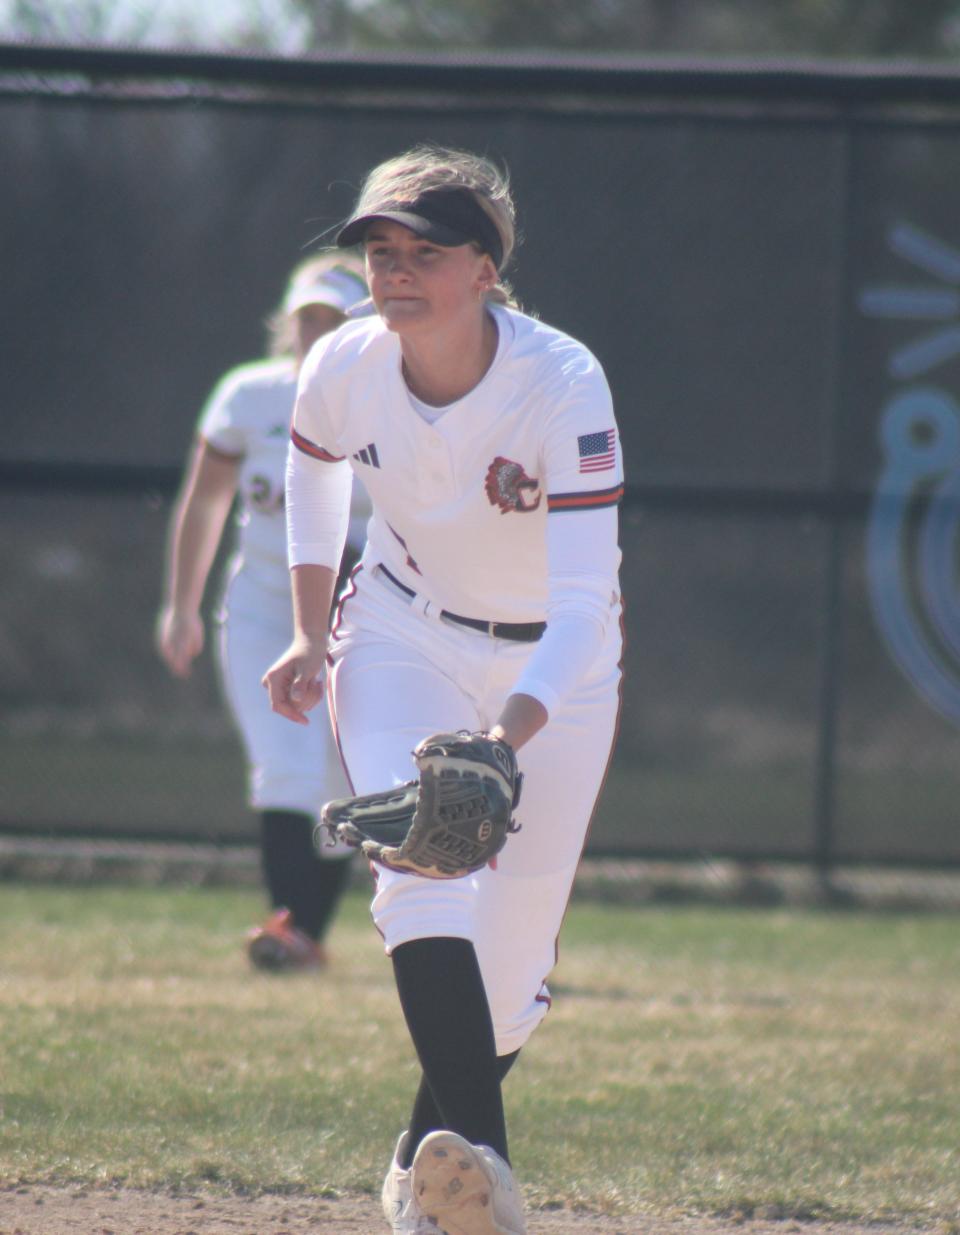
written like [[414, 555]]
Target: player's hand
[[179, 640], [295, 681]]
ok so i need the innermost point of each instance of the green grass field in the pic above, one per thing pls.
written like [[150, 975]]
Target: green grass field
[[777, 1063]]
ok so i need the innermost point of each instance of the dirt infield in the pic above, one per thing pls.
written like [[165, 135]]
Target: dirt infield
[[48, 1211], [51, 1211]]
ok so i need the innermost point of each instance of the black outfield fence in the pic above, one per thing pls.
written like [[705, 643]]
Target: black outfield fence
[[766, 259]]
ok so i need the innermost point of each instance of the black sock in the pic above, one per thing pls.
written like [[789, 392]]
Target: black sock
[[446, 1010], [329, 879], [310, 887], [426, 1117]]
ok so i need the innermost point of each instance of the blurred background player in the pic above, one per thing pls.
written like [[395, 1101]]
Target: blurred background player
[[240, 452]]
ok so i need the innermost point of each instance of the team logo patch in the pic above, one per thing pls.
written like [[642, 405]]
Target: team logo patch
[[508, 486]]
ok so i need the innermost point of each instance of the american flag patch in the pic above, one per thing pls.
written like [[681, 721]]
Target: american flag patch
[[597, 451]]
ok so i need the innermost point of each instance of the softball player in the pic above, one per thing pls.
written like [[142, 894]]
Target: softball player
[[487, 598], [241, 449]]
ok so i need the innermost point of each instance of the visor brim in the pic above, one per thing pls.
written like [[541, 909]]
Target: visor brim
[[427, 229]]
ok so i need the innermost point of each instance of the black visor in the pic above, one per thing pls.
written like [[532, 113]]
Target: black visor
[[448, 217]]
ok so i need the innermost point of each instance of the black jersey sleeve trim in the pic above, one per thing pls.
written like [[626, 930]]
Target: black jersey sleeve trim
[[591, 499]]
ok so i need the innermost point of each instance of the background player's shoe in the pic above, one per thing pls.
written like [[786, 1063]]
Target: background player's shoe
[[278, 946], [466, 1189], [399, 1208]]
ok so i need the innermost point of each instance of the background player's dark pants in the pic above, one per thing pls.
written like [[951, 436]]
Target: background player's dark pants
[[296, 878]]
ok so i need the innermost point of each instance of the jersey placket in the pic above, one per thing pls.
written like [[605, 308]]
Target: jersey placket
[[435, 474], [436, 487]]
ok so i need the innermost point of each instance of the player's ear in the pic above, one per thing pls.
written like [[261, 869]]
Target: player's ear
[[486, 277]]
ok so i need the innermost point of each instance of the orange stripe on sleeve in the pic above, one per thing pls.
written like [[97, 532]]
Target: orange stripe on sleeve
[[593, 499], [312, 449]]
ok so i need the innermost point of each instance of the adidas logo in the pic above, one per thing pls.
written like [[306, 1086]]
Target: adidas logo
[[368, 455]]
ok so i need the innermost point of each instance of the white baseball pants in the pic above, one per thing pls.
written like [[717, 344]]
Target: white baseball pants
[[399, 676]]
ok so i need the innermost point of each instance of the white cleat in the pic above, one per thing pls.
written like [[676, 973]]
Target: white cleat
[[399, 1208], [465, 1189]]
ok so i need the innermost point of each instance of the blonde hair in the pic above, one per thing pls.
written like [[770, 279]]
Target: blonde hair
[[425, 167], [281, 331]]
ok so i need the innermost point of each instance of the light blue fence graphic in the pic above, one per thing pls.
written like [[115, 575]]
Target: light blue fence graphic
[[920, 304], [914, 593]]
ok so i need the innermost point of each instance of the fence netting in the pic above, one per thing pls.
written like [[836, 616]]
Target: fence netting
[[771, 285]]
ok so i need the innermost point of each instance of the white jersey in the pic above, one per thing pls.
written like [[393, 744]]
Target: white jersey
[[247, 417], [499, 508], [504, 507]]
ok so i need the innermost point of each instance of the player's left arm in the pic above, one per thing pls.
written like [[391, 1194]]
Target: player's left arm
[[583, 477], [522, 718]]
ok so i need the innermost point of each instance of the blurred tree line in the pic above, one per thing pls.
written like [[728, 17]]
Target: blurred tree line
[[874, 29]]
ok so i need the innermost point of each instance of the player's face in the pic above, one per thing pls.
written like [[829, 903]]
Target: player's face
[[417, 285], [313, 321]]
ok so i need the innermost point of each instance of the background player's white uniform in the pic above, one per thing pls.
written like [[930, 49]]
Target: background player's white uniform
[[501, 507], [248, 417]]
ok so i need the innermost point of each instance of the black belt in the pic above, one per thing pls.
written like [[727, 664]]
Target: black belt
[[520, 632]]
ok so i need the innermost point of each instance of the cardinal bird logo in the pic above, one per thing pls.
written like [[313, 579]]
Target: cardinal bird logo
[[508, 486]]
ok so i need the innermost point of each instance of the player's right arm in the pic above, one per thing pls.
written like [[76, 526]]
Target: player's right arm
[[196, 527], [318, 485], [295, 681]]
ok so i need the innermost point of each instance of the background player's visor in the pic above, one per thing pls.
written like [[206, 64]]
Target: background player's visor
[[339, 288]]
